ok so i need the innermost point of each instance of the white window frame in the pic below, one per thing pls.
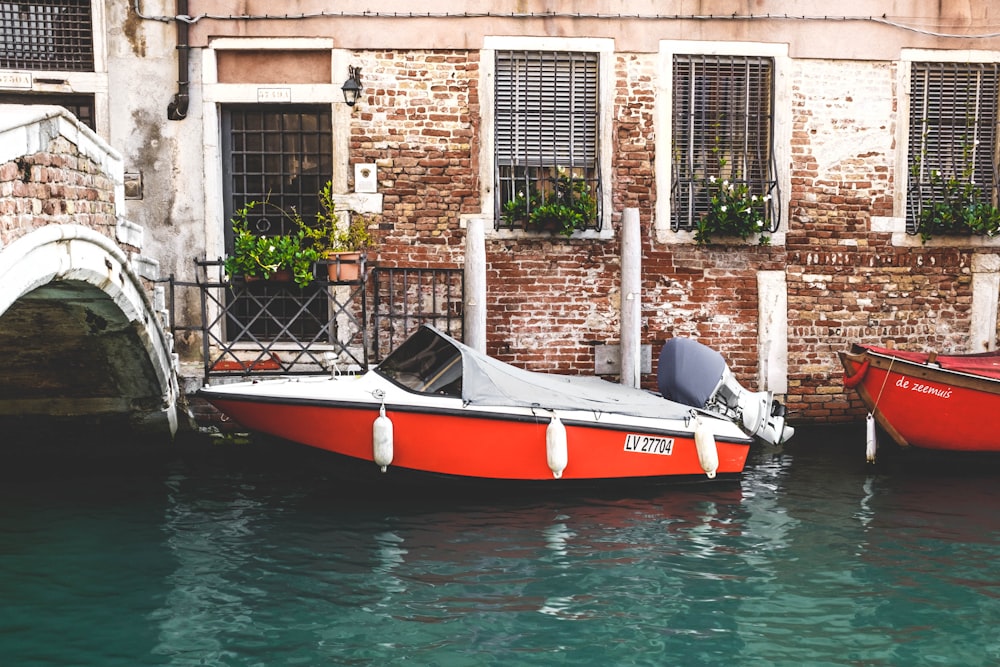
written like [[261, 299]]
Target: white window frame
[[487, 171], [215, 95], [664, 124], [897, 223]]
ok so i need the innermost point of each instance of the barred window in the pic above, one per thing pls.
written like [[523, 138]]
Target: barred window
[[283, 155], [47, 35], [722, 131], [952, 154], [81, 106], [546, 141]]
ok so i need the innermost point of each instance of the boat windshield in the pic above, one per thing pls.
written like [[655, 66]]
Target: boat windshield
[[426, 363]]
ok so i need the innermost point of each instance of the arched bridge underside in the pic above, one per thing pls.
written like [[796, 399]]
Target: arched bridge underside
[[80, 342]]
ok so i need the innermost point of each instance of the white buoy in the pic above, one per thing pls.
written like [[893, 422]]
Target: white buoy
[[382, 439], [704, 442], [871, 440], [556, 450]]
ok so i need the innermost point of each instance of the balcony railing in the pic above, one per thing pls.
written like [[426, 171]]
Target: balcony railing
[[278, 328]]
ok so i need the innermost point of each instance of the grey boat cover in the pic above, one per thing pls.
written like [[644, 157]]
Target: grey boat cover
[[487, 381]]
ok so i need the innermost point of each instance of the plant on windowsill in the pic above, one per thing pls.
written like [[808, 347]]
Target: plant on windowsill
[[344, 247], [565, 207], [961, 209], [734, 212], [256, 256]]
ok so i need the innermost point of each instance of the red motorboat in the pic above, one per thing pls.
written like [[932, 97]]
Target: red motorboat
[[436, 406], [928, 400]]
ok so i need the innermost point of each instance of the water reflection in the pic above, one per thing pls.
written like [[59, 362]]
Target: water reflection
[[259, 557]]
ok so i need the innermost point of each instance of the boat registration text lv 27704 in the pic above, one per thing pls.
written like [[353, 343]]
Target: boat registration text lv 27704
[[645, 444]]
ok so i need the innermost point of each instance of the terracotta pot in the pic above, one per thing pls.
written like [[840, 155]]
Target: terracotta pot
[[344, 267], [281, 276]]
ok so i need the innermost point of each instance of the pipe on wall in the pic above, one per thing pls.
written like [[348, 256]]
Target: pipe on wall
[[177, 109]]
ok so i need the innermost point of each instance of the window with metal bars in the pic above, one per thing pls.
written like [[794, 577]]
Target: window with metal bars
[[282, 155], [545, 134], [47, 35], [723, 129], [952, 154], [81, 106]]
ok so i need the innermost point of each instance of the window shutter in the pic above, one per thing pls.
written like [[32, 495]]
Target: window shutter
[[722, 128], [953, 130], [546, 139], [546, 108]]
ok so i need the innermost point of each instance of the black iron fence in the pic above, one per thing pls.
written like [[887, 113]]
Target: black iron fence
[[279, 328]]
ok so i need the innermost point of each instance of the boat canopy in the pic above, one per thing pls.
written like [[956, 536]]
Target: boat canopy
[[432, 362]]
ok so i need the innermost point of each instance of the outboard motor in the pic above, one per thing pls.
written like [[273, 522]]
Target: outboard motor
[[693, 374]]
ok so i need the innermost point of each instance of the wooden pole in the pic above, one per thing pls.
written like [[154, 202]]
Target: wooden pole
[[475, 284], [631, 304]]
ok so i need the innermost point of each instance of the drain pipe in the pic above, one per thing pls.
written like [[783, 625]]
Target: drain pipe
[[631, 304], [178, 107]]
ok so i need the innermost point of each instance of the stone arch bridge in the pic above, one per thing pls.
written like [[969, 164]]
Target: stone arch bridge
[[82, 333]]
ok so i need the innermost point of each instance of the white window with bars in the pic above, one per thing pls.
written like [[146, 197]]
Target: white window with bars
[[722, 130], [546, 133], [952, 153]]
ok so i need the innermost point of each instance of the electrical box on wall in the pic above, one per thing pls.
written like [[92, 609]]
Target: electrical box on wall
[[365, 177]]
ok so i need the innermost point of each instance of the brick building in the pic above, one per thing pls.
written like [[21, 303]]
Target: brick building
[[845, 123]]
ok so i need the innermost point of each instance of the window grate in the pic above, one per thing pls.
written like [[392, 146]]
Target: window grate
[[723, 129], [50, 35], [283, 155], [546, 135], [952, 133]]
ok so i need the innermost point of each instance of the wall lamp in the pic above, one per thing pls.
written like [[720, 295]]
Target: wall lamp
[[352, 87]]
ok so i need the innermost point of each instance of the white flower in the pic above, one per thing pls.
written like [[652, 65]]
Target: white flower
[[723, 208], [711, 179], [725, 184], [753, 198], [767, 198]]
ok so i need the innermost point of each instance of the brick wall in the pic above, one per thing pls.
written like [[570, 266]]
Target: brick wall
[[57, 186], [550, 300]]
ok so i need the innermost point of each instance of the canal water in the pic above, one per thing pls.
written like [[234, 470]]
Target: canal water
[[255, 553]]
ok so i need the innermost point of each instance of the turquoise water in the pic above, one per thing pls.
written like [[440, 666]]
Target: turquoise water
[[255, 554]]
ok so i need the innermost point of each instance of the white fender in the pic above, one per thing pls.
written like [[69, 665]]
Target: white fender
[[556, 451], [704, 442], [382, 439], [871, 440]]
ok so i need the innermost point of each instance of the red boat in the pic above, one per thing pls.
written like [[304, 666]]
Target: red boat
[[436, 406], [928, 400]]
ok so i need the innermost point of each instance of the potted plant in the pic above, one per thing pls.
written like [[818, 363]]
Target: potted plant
[[256, 256], [344, 246], [563, 207], [733, 211], [961, 208]]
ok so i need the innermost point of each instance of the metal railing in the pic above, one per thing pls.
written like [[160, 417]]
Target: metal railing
[[278, 328], [406, 298]]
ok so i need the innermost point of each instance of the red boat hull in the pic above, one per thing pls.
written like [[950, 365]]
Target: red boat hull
[[492, 446], [922, 403]]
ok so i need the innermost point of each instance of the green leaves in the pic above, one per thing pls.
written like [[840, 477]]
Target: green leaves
[[256, 255], [733, 211], [960, 208]]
